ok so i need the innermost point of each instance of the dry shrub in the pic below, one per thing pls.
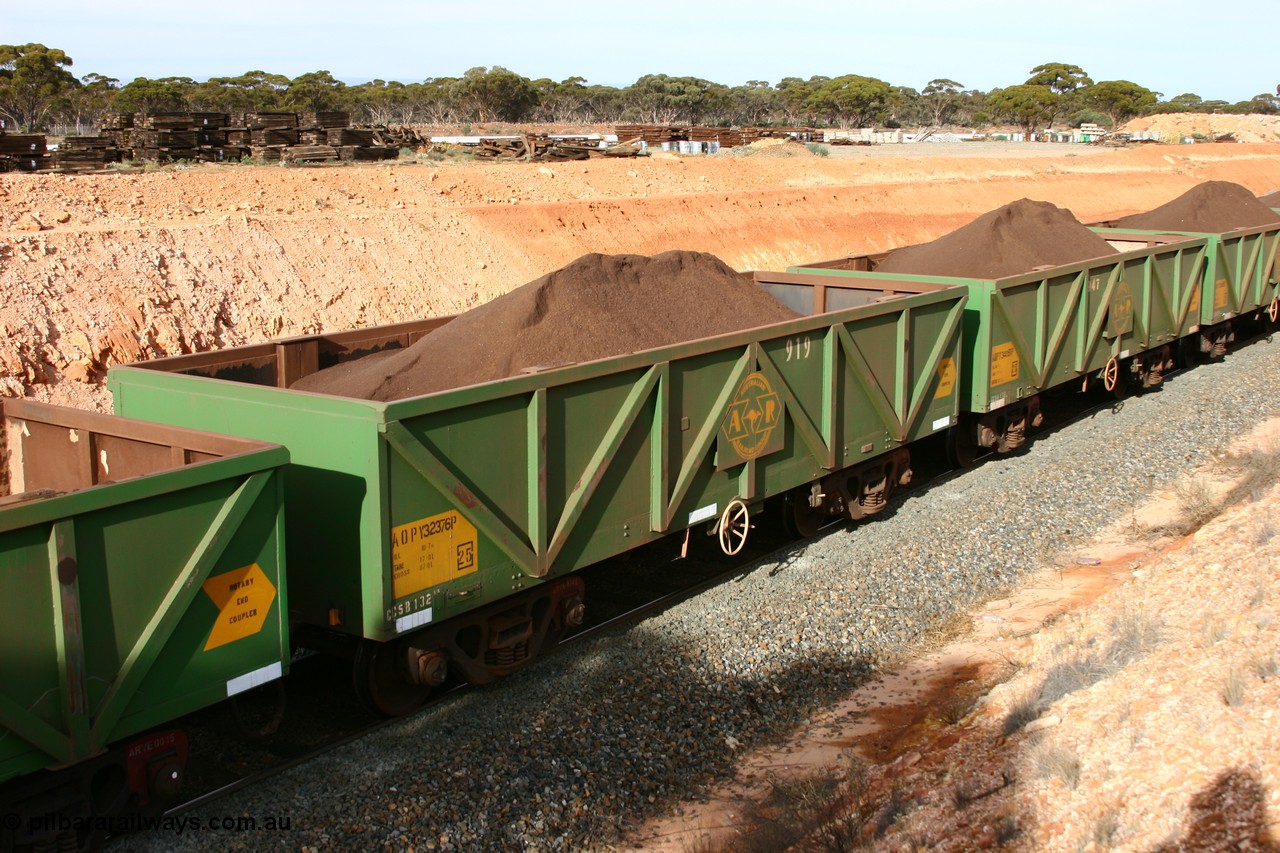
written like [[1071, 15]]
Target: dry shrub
[[1085, 661], [1259, 470], [1055, 762], [1197, 503], [1233, 687], [1105, 829], [954, 708], [832, 808], [1213, 631]]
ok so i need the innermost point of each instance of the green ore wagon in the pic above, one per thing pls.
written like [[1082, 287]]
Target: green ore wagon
[[140, 579], [443, 531], [1237, 278], [1113, 319]]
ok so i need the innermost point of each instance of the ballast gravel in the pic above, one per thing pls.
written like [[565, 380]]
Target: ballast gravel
[[572, 751]]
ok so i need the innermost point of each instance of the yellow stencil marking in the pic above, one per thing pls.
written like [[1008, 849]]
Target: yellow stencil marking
[[1004, 364], [243, 597], [431, 551], [1220, 294], [946, 377], [1120, 317], [753, 415]]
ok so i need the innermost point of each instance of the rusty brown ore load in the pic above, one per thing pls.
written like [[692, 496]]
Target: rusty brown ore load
[[1270, 200], [1213, 207], [1010, 240], [595, 307]]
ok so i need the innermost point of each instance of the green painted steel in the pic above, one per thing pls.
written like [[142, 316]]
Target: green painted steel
[[490, 489], [1030, 332], [1239, 274], [112, 549]]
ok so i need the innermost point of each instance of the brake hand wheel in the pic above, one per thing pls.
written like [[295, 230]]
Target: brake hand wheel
[[735, 524], [1111, 374]]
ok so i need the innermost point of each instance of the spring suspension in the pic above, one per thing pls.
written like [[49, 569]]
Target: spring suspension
[[1154, 376], [1016, 435], [873, 498], [507, 655]]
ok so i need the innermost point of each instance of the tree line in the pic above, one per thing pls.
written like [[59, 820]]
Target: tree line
[[39, 93]]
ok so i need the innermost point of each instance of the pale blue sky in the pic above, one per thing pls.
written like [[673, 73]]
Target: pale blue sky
[[1225, 51]]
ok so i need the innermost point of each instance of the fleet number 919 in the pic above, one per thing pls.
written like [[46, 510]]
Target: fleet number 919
[[798, 348]]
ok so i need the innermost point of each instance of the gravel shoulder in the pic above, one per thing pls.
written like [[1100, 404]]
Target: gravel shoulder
[[578, 750]]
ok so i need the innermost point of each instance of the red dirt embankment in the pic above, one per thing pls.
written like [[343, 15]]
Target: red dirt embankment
[[102, 269]]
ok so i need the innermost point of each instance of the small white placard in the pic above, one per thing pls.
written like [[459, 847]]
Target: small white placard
[[941, 422], [996, 403], [413, 620], [252, 679], [1124, 353], [703, 514]]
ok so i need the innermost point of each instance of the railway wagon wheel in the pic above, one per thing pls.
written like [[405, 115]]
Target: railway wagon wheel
[[1273, 310], [1189, 352], [963, 450], [735, 524], [382, 682], [260, 711], [799, 517]]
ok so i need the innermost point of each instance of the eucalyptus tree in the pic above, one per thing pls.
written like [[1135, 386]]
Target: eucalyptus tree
[[316, 91], [496, 94], [660, 99], [165, 94], [34, 81], [852, 100], [1121, 100], [1031, 107], [89, 103], [942, 98]]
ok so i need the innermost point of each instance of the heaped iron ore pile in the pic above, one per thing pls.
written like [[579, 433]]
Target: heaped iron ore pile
[[595, 307], [1213, 207], [1010, 240], [1271, 199]]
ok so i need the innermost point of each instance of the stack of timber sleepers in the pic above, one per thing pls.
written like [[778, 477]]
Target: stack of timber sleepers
[[23, 152], [164, 145], [84, 154], [655, 135], [324, 119], [309, 154]]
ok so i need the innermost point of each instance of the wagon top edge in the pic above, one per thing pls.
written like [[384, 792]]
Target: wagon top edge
[[266, 357]]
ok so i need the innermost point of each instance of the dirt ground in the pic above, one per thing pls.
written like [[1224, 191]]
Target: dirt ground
[[1123, 698], [102, 269], [1247, 128]]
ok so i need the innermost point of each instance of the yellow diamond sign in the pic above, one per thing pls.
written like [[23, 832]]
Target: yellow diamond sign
[[243, 597]]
